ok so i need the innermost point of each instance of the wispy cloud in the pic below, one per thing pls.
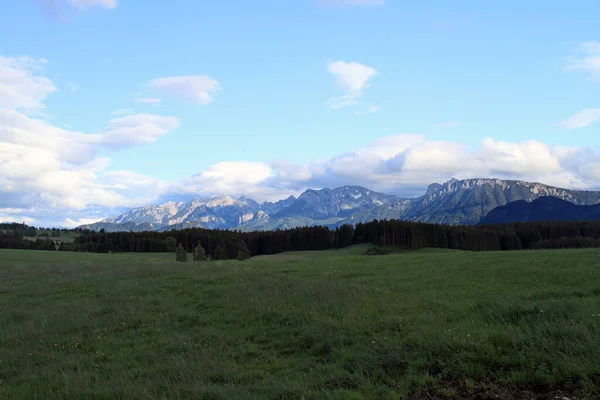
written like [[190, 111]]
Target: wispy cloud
[[156, 102], [351, 77], [22, 85], [74, 87], [197, 89], [60, 170], [53, 7], [587, 59], [346, 100], [580, 119], [82, 4]]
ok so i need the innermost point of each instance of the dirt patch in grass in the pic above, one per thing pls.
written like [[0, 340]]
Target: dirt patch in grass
[[455, 391]]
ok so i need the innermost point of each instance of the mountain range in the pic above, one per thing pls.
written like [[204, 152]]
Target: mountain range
[[454, 202], [541, 209]]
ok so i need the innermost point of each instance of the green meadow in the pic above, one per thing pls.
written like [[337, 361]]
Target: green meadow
[[335, 324]]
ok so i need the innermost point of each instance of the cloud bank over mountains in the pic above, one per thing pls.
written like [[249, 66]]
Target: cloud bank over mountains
[[55, 176]]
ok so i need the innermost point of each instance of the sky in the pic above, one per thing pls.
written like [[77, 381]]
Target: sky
[[107, 105]]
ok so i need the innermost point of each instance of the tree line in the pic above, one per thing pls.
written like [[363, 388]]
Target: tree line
[[228, 244], [13, 236]]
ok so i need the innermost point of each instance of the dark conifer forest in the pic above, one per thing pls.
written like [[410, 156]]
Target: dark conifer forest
[[227, 244]]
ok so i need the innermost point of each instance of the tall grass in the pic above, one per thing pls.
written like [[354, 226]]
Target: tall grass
[[327, 326]]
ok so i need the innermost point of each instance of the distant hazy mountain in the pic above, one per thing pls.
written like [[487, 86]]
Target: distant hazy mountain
[[541, 209], [120, 227], [313, 207], [454, 202]]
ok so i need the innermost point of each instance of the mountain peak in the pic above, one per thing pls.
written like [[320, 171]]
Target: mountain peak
[[247, 200], [353, 187], [434, 187], [453, 202], [221, 201]]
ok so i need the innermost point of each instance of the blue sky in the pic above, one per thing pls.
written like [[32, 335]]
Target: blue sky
[[109, 104]]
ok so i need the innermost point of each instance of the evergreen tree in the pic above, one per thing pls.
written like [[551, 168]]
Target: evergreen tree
[[181, 254], [171, 244], [199, 253], [243, 252], [220, 252]]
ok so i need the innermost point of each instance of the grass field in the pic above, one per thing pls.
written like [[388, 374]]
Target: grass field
[[66, 237], [309, 325]]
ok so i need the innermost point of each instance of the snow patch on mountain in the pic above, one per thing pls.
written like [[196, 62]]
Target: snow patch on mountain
[[245, 218], [222, 201]]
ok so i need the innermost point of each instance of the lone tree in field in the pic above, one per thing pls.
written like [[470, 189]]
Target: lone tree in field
[[199, 253], [180, 253]]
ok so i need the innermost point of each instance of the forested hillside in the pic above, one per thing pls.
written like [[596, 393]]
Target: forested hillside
[[225, 244], [542, 209]]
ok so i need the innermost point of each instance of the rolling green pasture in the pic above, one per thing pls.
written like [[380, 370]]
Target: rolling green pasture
[[66, 237], [303, 325]]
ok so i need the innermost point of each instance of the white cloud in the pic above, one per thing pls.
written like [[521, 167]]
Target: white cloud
[[35, 177], [363, 3], [47, 171], [9, 218], [198, 89], [587, 59], [135, 129], [11, 210], [352, 78], [53, 7], [405, 165], [81, 4], [73, 147], [123, 111], [74, 223], [98, 164], [523, 158], [581, 119], [343, 101], [21, 84], [45, 166], [149, 100], [389, 146], [226, 178], [59, 176], [74, 87]]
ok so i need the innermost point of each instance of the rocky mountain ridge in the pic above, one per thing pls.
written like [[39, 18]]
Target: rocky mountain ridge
[[453, 202]]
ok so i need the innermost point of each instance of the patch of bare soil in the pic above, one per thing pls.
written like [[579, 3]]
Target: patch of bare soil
[[456, 392]]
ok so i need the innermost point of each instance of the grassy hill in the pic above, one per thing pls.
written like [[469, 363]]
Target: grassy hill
[[65, 236], [306, 325]]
